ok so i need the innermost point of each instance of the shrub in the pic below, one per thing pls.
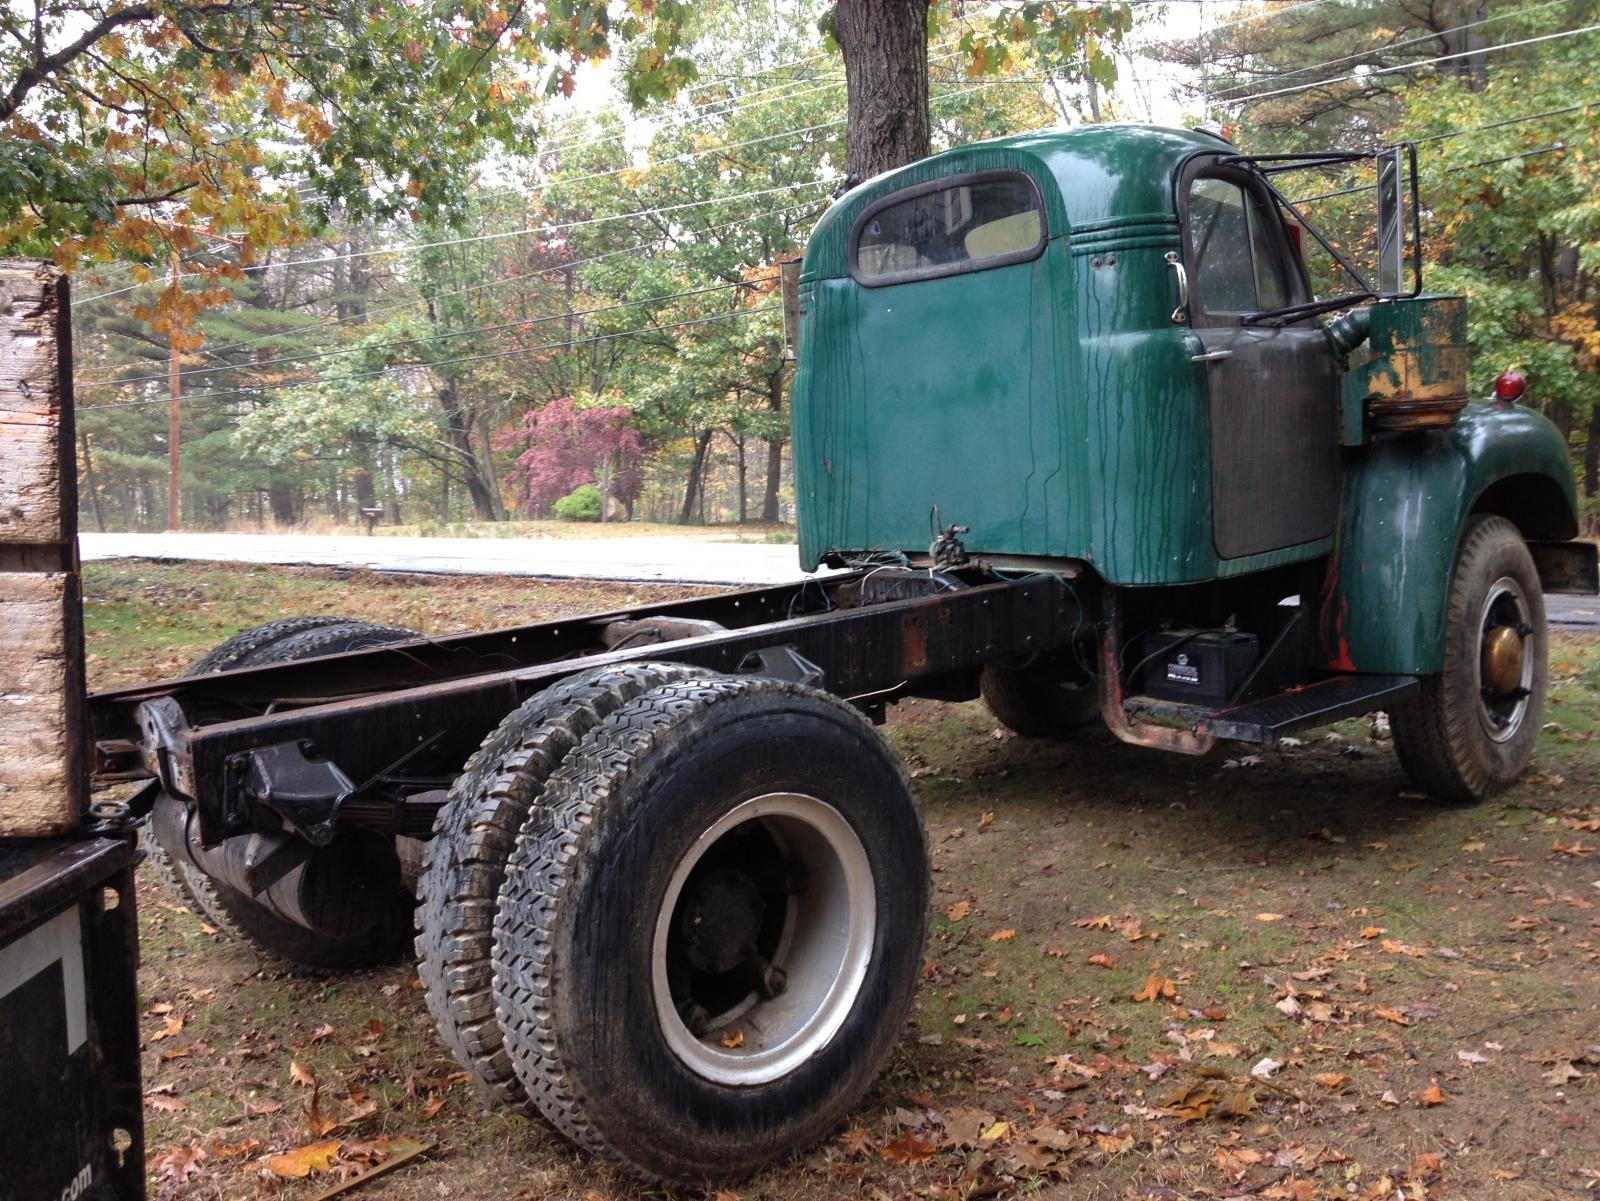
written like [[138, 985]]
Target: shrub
[[581, 504]]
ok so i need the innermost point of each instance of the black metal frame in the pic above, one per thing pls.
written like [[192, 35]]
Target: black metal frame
[[382, 724]]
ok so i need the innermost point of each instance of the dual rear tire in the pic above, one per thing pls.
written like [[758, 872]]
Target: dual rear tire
[[708, 900]]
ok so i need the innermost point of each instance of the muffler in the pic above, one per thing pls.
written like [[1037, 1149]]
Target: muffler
[[340, 890]]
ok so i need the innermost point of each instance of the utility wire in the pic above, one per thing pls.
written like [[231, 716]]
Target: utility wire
[[459, 333], [518, 233], [1385, 49], [494, 283], [1443, 58], [473, 358]]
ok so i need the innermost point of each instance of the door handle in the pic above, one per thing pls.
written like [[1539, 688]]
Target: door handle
[[1181, 313], [1211, 356]]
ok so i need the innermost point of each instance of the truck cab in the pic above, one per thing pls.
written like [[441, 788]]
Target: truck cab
[[1098, 352]]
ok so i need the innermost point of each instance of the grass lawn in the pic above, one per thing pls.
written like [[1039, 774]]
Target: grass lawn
[[1275, 974]]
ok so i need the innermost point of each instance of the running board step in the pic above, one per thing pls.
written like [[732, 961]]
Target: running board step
[[1319, 704]]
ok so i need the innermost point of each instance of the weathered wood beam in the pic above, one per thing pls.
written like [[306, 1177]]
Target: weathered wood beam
[[43, 789]]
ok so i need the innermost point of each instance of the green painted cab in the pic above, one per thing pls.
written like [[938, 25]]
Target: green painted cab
[[1055, 341]]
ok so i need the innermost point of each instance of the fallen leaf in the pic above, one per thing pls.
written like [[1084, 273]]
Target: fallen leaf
[[907, 1148], [1471, 1057], [1265, 1068], [1372, 931], [266, 1105], [959, 910], [1236, 1105], [1156, 988], [736, 1039], [434, 1105], [1432, 1095], [1426, 1165], [165, 1104], [301, 1075], [1332, 1079], [1269, 917], [1562, 1072], [996, 1131], [986, 820], [321, 1034], [1100, 959], [234, 1150], [168, 1028], [1002, 935], [181, 1163], [303, 1161], [1103, 922], [1391, 1015]]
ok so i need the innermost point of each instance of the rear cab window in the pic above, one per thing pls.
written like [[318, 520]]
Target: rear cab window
[[947, 227]]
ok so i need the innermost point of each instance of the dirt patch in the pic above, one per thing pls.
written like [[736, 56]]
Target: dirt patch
[[1277, 974]]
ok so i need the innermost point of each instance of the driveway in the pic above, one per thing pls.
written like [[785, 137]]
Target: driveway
[[690, 560]]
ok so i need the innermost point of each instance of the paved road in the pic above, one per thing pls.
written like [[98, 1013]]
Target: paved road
[[1573, 612], [683, 560], [686, 560]]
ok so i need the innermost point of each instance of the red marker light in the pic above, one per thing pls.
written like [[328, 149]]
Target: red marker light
[[1510, 385]]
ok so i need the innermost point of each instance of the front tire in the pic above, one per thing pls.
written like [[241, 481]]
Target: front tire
[[711, 929], [1040, 701], [1470, 730]]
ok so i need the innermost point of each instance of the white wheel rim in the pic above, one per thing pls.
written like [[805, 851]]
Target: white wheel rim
[[820, 936], [1502, 716]]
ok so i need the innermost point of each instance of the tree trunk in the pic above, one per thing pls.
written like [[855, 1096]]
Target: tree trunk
[[1591, 454], [885, 48], [744, 476], [695, 488], [282, 499], [769, 499], [94, 488]]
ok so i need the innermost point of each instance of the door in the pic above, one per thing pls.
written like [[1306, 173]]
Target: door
[[1273, 389]]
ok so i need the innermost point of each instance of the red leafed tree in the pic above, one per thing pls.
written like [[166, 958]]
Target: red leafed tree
[[565, 447]]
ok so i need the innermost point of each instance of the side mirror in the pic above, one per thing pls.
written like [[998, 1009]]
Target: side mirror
[[1394, 192]]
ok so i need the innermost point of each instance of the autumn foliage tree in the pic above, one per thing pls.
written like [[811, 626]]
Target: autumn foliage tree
[[565, 447]]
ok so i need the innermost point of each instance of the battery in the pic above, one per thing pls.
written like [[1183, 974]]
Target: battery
[[1197, 667]]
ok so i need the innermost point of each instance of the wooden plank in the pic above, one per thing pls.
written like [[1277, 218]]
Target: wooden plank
[[32, 508], [43, 788], [36, 787]]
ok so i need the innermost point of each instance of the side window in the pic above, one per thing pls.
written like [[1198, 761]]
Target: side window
[[948, 229], [1237, 262]]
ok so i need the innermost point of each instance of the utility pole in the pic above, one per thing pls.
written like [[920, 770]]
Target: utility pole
[[175, 392]]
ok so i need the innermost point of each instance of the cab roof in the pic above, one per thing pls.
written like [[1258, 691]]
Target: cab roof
[[1092, 177]]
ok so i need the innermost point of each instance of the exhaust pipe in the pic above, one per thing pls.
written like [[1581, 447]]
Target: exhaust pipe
[[339, 890]]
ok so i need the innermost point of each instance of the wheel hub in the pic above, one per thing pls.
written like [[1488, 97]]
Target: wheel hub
[[720, 921], [1505, 668], [763, 939], [1503, 652]]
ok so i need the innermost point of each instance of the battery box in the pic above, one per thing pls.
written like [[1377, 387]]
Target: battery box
[[1197, 667]]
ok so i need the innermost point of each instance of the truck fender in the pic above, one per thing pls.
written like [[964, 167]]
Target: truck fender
[[1407, 498]]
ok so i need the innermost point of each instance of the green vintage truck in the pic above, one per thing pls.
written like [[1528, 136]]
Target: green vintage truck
[[1079, 438]]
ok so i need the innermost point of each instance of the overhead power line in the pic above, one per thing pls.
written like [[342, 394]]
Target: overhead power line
[[418, 247], [1385, 49], [526, 323], [1426, 62], [493, 283], [471, 358]]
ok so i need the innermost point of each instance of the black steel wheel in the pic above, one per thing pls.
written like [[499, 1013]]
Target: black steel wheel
[[465, 861], [711, 928], [1470, 730], [1044, 700], [231, 913]]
